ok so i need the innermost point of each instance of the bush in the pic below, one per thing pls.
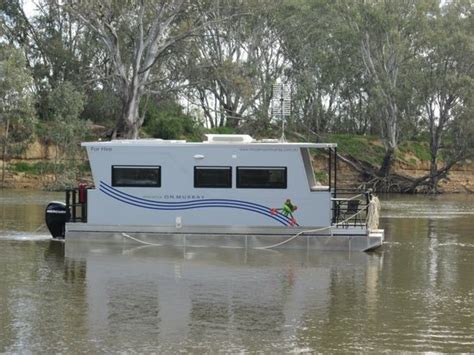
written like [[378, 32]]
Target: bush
[[38, 168], [167, 120]]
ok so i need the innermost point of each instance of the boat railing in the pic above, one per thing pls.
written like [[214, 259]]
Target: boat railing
[[76, 204], [350, 209]]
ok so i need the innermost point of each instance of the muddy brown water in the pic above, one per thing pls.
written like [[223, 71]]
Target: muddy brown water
[[416, 293]]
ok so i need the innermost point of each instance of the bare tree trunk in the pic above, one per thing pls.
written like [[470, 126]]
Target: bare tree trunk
[[387, 162], [5, 150], [132, 64], [434, 144], [130, 118], [434, 178]]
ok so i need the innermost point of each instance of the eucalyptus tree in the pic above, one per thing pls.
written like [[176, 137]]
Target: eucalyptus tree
[[57, 47], [446, 83], [16, 101], [65, 130], [233, 64], [388, 33], [325, 69], [137, 35]]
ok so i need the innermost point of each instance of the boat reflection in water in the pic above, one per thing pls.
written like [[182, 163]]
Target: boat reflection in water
[[168, 298]]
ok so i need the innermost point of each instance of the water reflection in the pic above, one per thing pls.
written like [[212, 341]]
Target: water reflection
[[23, 210], [204, 298], [39, 300]]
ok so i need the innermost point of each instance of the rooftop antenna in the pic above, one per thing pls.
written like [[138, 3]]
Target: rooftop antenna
[[281, 105]]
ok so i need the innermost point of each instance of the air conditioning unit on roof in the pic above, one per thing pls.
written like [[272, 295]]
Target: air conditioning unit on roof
[[229, 138]]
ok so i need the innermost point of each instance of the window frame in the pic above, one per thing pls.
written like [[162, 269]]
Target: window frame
[[158, 182], [283, 168], [212, 167]]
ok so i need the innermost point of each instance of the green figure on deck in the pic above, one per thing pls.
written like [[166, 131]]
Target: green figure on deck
[[287, 211]]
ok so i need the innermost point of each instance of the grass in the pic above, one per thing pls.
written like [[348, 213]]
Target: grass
[[33, 169], [370, 149], [420, 150], [363, 148], [44, 167], [321, 176]]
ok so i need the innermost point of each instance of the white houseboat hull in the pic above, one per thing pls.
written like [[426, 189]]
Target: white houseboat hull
[[229, 191]]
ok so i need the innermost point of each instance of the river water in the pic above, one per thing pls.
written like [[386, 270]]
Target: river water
[[416, 293]]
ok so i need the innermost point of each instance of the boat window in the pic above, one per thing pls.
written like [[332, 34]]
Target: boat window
[[213, 176], [262, 177], [136, 176]]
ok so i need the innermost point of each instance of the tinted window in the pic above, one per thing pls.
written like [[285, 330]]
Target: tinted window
[[261, 178], [136, 176], [212, 176]]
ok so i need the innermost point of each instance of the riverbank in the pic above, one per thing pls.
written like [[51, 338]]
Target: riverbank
[[36, 167], [459, 180]]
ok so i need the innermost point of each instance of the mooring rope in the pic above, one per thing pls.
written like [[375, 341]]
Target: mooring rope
[[140, 241], [312, 231], [39, 228], [372, 221]]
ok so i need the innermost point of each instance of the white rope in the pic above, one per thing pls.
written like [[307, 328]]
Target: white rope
[[139, 241], [312, 231], [354, 197], [372, 208], [40, 227]]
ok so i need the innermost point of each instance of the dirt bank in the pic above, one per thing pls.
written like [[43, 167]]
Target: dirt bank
[[460, 178]]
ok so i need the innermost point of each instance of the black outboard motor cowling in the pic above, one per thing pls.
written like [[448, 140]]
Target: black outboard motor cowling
[[56, 216]]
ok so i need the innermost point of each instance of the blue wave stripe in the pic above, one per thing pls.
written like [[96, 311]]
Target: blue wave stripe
[[168, 208], [179, 203], [227, 205], [182, 205]]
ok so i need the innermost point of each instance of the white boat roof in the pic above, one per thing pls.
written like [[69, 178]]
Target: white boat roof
[[212, 139]]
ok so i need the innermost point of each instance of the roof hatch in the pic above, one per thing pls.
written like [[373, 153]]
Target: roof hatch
[[229, 138]]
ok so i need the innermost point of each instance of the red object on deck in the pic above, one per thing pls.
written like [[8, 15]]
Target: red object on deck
[[82, 193]]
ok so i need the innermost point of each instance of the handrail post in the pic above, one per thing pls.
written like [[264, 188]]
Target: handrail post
[[84, 208], [335, 171], [68, 205], [74, 203]]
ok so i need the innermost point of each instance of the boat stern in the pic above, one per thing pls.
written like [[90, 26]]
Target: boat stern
[[375, 239]]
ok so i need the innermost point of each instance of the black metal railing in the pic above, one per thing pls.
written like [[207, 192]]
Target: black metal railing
[[349, 208], [76, 204]]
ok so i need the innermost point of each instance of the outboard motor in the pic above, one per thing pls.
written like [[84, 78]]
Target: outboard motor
[[56, 218]]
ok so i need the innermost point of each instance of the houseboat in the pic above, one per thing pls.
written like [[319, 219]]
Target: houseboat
[[230, 190]]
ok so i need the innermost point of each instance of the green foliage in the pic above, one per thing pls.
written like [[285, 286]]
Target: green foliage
[[321, 176], [166, 120], [222, 130], [16, 104], [65, 173], [66, 102], [16, 99], [65, 130], [101, 107], [397, 70], [37, 168], [22, 167]]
